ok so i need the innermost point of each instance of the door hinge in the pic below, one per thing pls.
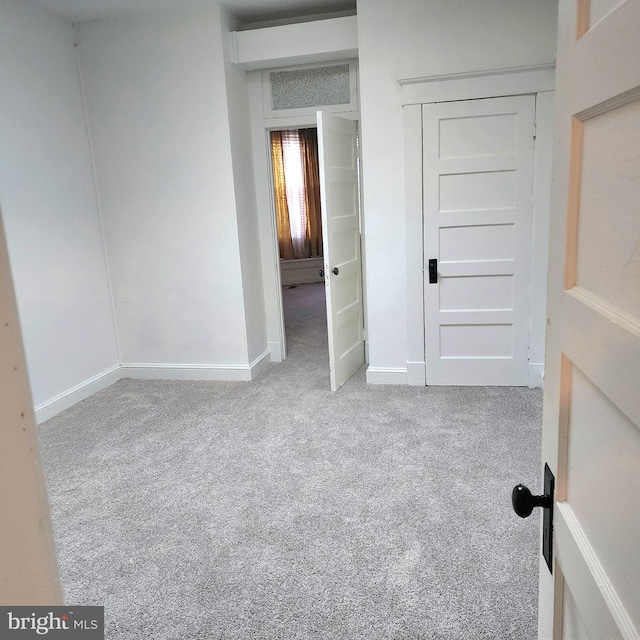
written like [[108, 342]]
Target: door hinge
[[535, 130], [364, 335]]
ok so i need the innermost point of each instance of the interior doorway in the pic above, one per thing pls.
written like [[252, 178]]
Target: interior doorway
[[324, 188], [298, 217]]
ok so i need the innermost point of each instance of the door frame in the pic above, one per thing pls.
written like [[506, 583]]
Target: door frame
[[268, 233], [539, 81], [28, 553]]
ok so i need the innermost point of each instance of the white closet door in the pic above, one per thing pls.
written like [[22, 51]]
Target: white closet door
[[478, 176]]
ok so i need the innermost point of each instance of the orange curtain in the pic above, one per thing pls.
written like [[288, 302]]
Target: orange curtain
[[285, 242], [309, 153], [306, 194]]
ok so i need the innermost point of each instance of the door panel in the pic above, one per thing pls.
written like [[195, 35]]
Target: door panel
[[598, 9], [478, 136], [573, 626], [338, 159], [478, 172], [607, 246], [484, 293], [591, 429], [490, 242], [476, 190]]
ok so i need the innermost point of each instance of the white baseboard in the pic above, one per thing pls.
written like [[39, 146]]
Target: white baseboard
[[147, 371], [68, 398], [304, 279], [170, 371], [275, 349], [386, 375], [536, 375], [416, 374], [303, 271], [260, 364]]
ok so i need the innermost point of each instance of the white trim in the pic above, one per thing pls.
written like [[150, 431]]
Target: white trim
[[301, 271], [315, 41], [386, 375], [153, 371], [414, 221], [68, 398], [597, 599], [539, 251], [536, 375], [301, 122], [268, 236], [493, 83], [233, 47], [175, 371], [348, 107], [275, 349], [477, 74], [485, 84], [416, 373], [260, 364]]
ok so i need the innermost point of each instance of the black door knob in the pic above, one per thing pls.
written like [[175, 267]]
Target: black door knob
[[524, 503], [321, 272], [336, 271]]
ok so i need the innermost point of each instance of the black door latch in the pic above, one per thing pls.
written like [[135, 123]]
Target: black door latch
[[433, 271]]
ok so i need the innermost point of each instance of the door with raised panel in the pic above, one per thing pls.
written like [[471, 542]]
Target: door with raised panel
[[478, 177], [591, 432], [338, 160]]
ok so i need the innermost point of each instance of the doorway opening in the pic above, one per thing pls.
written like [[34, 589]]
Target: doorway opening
[[338, 168], [298, 213]]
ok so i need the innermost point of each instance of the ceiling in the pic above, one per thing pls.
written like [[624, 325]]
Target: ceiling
[[244, 10]]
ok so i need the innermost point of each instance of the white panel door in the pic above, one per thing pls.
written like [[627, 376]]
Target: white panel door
[[338, 159], [591, 432], [478, 176]]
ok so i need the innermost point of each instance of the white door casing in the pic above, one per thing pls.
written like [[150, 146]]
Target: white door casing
[[338, 160], [478, 176], [591, 429]]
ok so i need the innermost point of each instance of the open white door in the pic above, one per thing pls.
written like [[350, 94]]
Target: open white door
[[338, 159], [591, 433], [478, 177]]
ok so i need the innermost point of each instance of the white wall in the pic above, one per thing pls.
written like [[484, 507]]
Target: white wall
[[411, 39], [157, 107], [292, 44], [49, 206], [245, 194]]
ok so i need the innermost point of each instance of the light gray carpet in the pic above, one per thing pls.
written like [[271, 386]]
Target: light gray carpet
[[277, 509]]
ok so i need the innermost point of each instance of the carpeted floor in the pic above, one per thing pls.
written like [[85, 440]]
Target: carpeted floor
[[277, 509]]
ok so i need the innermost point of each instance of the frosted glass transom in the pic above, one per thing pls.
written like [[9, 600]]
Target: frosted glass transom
[[314, 87]]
